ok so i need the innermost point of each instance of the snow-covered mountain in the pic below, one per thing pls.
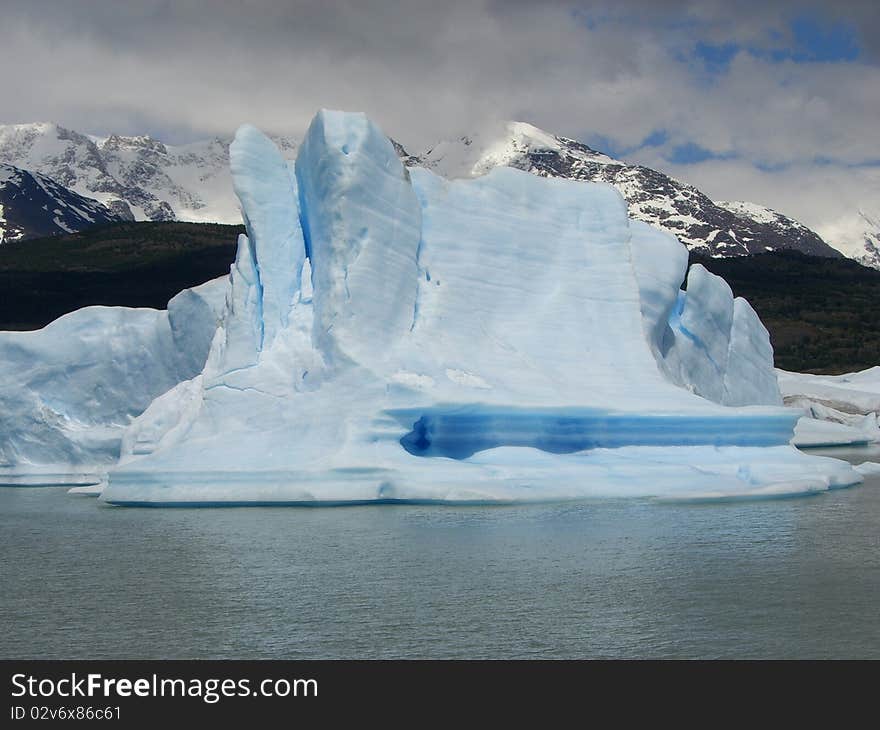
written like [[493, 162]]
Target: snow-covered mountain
[[155, 181], [139, 176], [857, 236], [33, 205]]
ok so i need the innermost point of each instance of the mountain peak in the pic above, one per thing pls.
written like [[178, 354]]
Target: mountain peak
[[502, 145]]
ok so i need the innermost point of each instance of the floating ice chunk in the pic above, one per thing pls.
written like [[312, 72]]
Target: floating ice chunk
[[68, 391], [89, 490], [857, 393], [847, 406], [815, 433], [868, 468]]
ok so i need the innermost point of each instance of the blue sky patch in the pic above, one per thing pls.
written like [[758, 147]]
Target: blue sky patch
[[716, 58], [607, 145], [613, 148], [691, 153], [809, 40], [657, 138], [814, 41]]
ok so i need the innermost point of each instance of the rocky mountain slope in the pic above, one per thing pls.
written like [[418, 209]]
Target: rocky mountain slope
[[33, 205]]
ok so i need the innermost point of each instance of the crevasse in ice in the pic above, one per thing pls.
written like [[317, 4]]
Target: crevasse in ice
[[392, 335]]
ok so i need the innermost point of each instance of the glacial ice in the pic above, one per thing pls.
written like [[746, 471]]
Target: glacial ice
[[388, 335], [362, 229], [840, 409], [69, 390], [703, 339], [267, 191]]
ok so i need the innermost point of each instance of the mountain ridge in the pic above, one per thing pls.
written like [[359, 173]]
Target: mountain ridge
[[142, 178]]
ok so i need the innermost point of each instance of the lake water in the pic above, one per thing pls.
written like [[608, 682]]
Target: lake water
[[613, 578]]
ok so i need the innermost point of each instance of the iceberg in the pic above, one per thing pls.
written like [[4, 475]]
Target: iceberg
[[841, 410], [69, 390], [390, 335], [386, 335]]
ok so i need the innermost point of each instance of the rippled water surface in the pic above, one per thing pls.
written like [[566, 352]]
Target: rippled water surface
[[613, 578]]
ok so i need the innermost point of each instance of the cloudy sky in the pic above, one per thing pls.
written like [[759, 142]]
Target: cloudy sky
[[776, 102]]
